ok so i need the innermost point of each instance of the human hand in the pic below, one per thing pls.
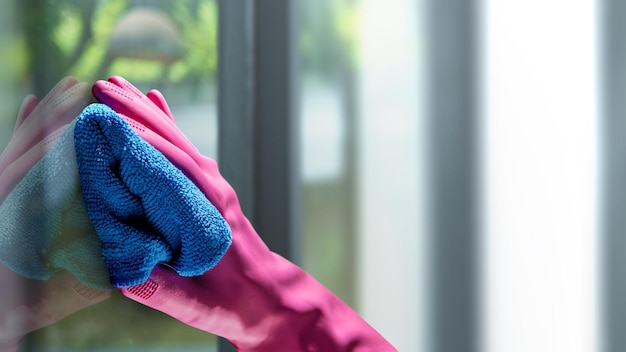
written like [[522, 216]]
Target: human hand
[[253, 297]]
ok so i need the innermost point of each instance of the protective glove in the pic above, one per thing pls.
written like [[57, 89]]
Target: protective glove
[[253, 297], [26, 304]]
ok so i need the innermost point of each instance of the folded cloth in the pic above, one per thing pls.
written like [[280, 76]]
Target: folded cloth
[[144, 209], [44, 225]]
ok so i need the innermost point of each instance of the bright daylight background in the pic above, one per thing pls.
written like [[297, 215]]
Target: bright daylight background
[[541, 184], [540, 113]]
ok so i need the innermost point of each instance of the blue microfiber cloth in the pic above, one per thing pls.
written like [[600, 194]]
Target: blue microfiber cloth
[[44, 225], [143, 208]]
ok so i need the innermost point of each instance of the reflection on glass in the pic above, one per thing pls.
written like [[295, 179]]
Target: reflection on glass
[[162, 44]]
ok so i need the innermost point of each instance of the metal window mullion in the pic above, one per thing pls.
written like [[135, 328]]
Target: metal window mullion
[[236, 104], [614, 174], [453, 127], [277, 200], [258, 125], [236, 98]]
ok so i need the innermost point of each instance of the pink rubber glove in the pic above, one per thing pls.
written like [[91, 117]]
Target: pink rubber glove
[[255, 298], [28, 305]]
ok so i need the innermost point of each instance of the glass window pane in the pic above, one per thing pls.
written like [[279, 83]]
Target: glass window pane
[[362, 165], [328, 141], [155, 44]]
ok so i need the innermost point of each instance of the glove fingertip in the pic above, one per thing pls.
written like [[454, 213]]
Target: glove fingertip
[[63, 85], [28, 105], [125, 85], [109, 94], [158, 99]]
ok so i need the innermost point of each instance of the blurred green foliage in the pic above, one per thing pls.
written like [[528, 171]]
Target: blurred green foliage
[[71, 37], [329, 37], [199, 40]]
